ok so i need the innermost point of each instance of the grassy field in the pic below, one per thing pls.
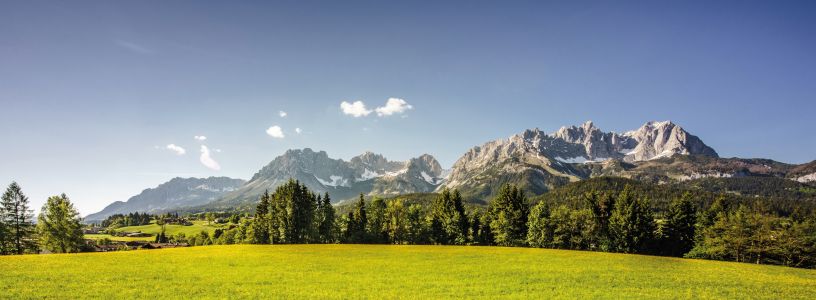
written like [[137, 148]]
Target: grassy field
[[154, 229], [381, 271]]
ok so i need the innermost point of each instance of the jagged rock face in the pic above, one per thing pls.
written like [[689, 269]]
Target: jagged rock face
[[178, 192], [664, 139], [368, 173], [804, 173], [544, 160]]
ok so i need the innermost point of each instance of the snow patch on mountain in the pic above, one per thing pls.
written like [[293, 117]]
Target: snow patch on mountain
[[807, 178], [572, 160], [336, 181], [367, 175]]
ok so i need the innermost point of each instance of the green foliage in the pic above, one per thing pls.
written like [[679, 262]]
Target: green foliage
[[678, 233], [123, 220], [357, 223], [16, 227], [508, 217], [632, 224], [58, 226], [449, 222]]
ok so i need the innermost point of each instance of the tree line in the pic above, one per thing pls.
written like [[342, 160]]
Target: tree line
[[608, 220], [623, 222], [58, 227]]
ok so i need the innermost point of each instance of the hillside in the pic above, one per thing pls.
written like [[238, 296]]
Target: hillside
[[369, 271], [174, 194]]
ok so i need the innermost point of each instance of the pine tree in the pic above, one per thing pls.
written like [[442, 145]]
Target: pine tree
[[326, 227], [260, 224], [17, 219], [631, 224], [508, 214], [357, 223], [58, 226], [679, 232]]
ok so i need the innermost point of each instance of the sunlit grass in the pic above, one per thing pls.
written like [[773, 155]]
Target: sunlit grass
[[153, 229], [382, 271]]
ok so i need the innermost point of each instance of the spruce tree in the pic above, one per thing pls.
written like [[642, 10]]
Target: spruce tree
[[508, 215], [358, 222], [260, 224], [632, 223], [679, 232], [326, 227], [58, 226], [17, 220]]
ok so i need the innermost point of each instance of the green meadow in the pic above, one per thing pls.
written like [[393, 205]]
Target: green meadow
[[153, 229], [384, 271]]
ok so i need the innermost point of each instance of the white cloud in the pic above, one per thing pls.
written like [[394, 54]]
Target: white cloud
[[275, 132], [393, 106], [177, 149], [134, 47], [356, 109], [200, 138], [282, 114], [298, 130], [207, 160]]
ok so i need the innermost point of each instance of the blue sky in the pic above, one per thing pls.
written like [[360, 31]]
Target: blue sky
[[93, 92]]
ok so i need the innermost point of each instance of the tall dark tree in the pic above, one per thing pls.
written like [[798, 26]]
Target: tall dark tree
[[58, 226], [449, 223], [17, 220], [679, 229], [601, 206], [632, 223], [357, 223], [326, 227], [292, 210], [508, 214], [261, 222]]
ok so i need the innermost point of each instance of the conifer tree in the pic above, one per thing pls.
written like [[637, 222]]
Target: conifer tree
[[16, 218], [679, 232], [260, 224], [326, 227], [358, 222], [632, 223], [508, 215]]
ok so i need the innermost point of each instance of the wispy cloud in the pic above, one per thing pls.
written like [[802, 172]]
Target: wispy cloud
[[275, 132], [282, 114], [177, 149], [298, 130], [207, 160], [393, 106], [200, 138], [134, 47], [356, 109]]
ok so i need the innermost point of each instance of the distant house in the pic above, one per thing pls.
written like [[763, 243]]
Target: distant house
[[93, 230], [134, 234], [164, 245]]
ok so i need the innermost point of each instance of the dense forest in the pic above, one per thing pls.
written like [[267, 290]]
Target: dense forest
[[711, 218]]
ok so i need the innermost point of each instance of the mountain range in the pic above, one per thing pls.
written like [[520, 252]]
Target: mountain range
[[656, 152]]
